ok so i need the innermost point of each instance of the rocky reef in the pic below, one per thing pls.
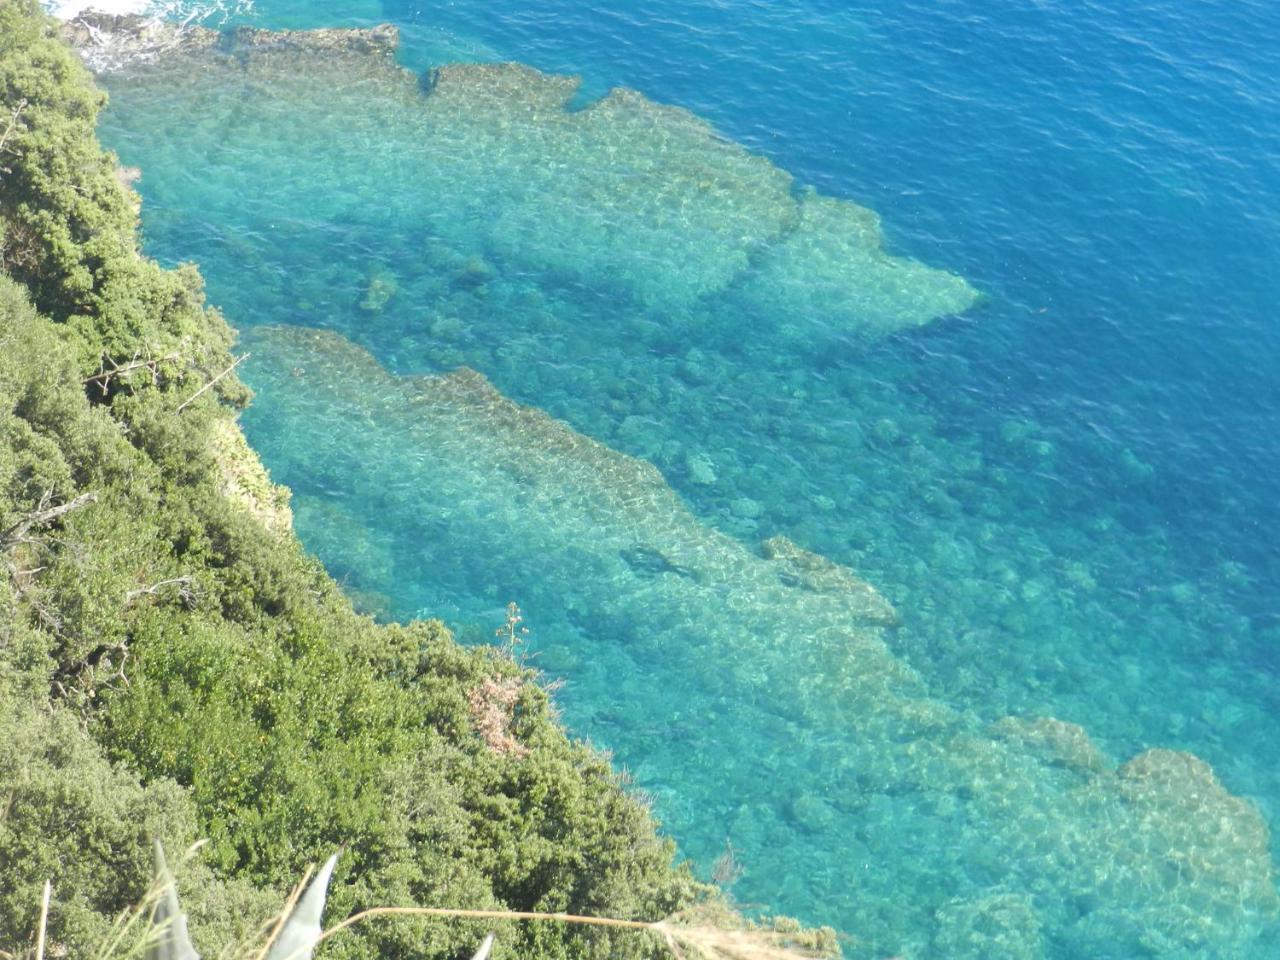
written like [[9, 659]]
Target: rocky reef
[[999, 839], [108, 41], [637, 198]]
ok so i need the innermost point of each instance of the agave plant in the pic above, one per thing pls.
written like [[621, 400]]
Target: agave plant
[[299, 930], [710, 932], [172, 942], [294, 937]]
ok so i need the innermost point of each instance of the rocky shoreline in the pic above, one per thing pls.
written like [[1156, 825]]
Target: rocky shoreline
[[107, 41]]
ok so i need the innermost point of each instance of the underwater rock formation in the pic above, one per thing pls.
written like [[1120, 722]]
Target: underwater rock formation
[[630, 199], [997, 839], [811, 571], [832, 267], [1003, 925], [1056, 740]]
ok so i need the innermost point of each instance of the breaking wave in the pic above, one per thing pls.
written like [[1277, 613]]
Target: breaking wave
[[206, 12]]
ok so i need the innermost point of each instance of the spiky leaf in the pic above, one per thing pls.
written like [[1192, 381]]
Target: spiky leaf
[[170, 923], [483, 952], [302, 929]]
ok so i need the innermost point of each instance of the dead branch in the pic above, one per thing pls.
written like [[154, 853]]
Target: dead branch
[[13, 123], [109, 660], [120, 370], [84, 681], [191, 399], [726, 870], [185, 581], [23, 579], [742, 941], [43, 515], [44, 919], [492, 706]]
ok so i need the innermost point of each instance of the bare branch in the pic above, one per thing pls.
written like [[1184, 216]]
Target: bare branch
[[13, 123], [184, 581], [46, 617], [43, 515], [120, 370], [191, 399], [44, 919]]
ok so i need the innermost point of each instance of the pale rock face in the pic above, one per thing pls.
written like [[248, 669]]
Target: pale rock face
[[246, 481]]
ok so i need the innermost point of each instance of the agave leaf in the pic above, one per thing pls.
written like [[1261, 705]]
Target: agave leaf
[[483, 952], [301, 930], [172, 942]]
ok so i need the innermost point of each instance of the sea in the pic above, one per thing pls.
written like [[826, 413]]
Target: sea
[[872, 408]]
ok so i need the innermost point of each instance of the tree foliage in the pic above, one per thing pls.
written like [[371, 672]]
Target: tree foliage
[[68, 221]]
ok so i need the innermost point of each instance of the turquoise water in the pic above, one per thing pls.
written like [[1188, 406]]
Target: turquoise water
[[1016, 432]]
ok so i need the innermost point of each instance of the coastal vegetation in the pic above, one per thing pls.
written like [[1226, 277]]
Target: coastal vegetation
[[174, 667]]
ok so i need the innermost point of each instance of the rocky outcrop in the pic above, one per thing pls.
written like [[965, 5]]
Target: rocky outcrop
[[807, 570], [109, 40], [1055, 741], [245, 479]]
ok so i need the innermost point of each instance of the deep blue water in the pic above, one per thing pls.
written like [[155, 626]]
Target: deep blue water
[[1067, 490]]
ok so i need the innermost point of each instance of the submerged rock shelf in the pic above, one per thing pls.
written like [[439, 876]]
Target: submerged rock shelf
[[997, 838], [109, 41], [644, 197]]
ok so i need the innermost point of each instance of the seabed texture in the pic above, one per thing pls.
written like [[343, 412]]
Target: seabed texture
[[886, 767], [772, 664]]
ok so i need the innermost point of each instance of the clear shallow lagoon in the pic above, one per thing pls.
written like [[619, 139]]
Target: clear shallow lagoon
[[1067, 491]]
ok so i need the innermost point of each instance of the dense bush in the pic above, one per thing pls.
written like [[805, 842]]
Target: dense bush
[[171, 667]]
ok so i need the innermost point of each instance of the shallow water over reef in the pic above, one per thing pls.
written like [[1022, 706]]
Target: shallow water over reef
[[753, 688], [855, 635]]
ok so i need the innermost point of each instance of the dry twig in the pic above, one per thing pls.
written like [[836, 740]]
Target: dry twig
[[42, 515], [185, 581], [234, 363], [44, 919], [124, 370], [13, 123], [703, 940]]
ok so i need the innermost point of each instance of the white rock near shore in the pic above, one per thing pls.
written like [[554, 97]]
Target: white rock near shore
[[108, 40]]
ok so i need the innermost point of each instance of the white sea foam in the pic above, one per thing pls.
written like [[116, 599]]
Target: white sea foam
[[66, 9], [104, 51], [210, 12]]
